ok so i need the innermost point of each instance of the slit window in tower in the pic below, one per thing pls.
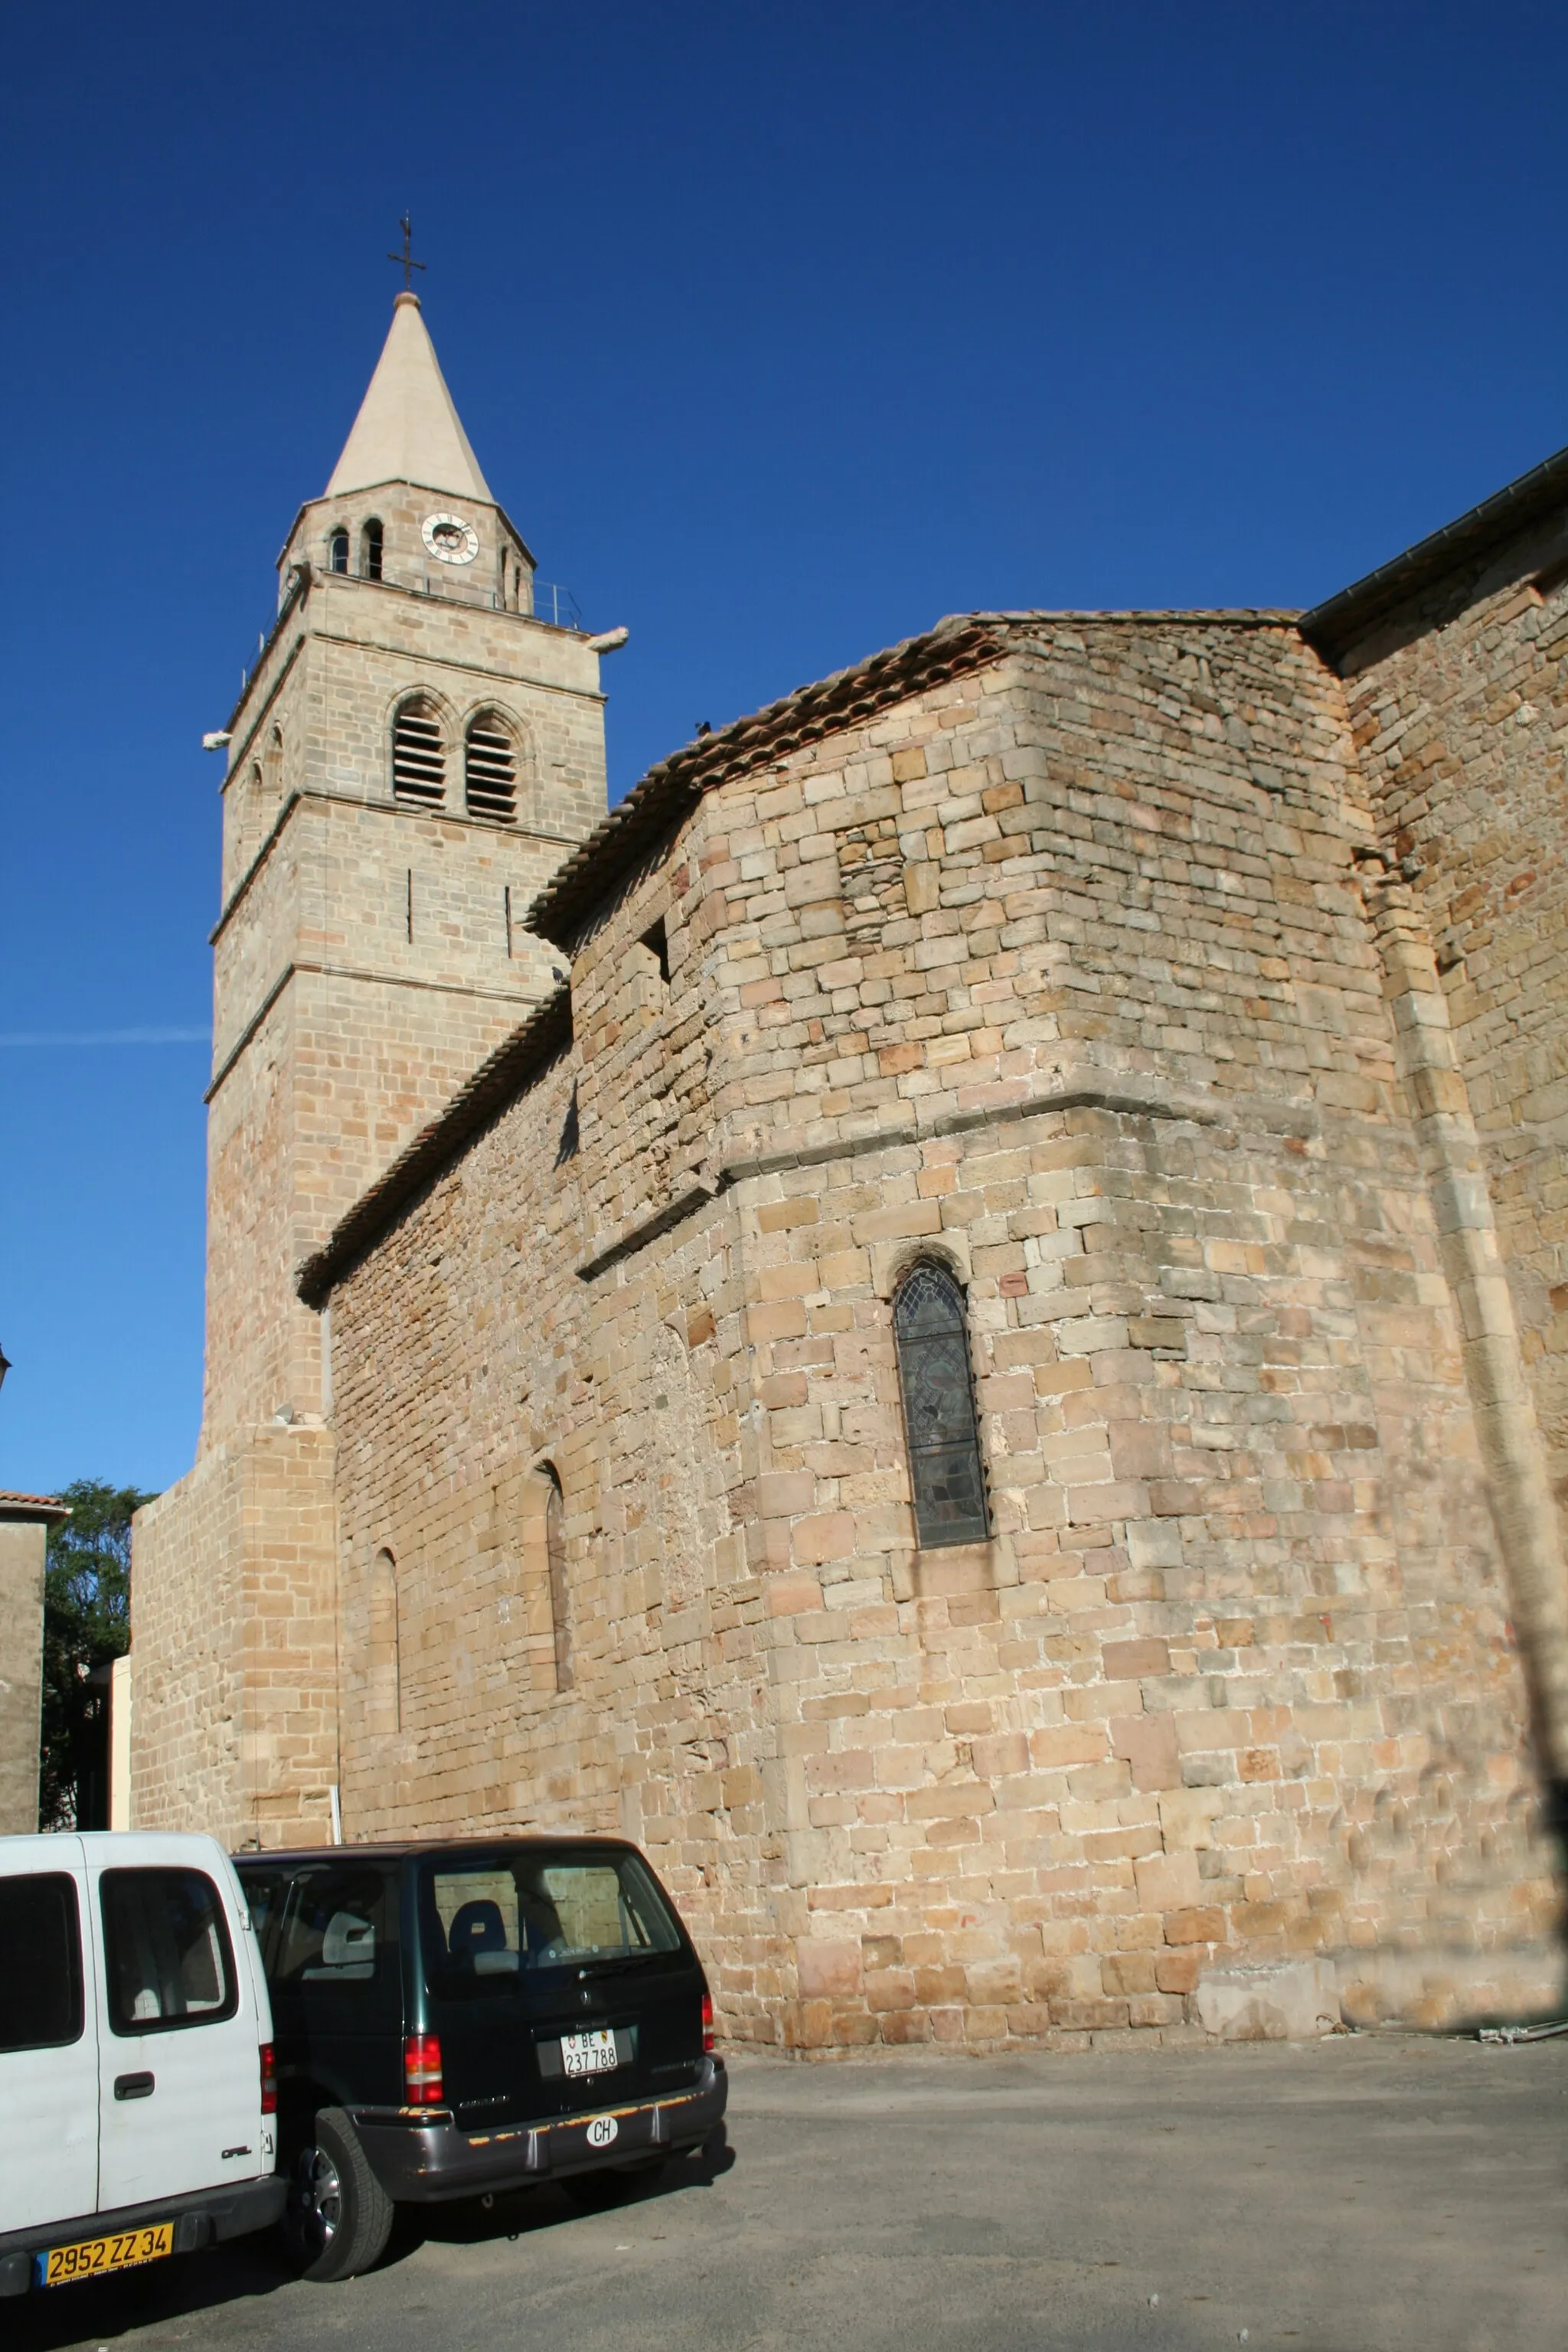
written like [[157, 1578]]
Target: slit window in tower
[[932, 1340], [340, 550], [373, 545], [559, 1588], [491, 773], [418, 757]]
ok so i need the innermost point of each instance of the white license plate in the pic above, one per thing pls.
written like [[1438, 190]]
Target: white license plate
[[588, 2054]]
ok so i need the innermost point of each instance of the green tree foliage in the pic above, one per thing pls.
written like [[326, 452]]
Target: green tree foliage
[[86, 1622]]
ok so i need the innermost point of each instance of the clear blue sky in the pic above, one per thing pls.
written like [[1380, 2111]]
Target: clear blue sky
[[780, 332]]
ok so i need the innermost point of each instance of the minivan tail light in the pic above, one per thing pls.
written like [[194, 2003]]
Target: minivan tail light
[[268, 2080], [422, 2070], [707, 2022]]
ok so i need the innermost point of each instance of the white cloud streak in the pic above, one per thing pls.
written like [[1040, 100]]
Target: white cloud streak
[[105, 1037]]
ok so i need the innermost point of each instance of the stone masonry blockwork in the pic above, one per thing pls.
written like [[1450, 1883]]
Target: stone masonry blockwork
[[1233, 1682], [1189, 986]]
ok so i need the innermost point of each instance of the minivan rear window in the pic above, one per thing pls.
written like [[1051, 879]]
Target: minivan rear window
[[166, 1943], [488, 1920], [40, 1961]]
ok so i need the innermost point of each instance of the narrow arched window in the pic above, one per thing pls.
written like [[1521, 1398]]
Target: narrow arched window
[[560, 1597], [418, 756], [932, 1339], [339, 552], [370, 550], [275, 761], [490, 770], [383, 1676]]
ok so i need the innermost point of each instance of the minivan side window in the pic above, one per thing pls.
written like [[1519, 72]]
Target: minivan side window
[[338, 1929], [264, 1891], [40, 1962], [166, 1943]]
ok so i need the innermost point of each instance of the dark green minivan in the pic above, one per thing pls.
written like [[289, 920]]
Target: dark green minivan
[[453, 2020]]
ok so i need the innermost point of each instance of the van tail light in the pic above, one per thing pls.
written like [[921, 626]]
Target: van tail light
[[707, 2022], [268, 2080], [422, 2070]]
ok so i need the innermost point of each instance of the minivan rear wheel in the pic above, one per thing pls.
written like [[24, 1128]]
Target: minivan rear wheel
[[339, 2217]]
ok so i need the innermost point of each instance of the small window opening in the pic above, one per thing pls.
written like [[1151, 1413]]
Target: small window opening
[[340, 550], [571, 1133], [490, 772], [384, 1679], [418, 757], [931, 1342], [560, 1597], [372, 545], [657, 938]]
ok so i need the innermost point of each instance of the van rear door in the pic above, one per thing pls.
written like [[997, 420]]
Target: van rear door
[[48, 2036], [557, 1980], [180, 2084]]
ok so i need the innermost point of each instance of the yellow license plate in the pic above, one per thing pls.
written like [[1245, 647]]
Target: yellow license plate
[[93, 2256]]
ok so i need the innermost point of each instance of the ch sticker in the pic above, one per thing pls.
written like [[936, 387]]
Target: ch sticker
[[601, 2131]]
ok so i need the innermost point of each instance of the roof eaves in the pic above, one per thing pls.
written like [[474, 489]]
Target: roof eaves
[[668, 791], [48, 1507], [1340, 620], [498, 1082], [963, 641]]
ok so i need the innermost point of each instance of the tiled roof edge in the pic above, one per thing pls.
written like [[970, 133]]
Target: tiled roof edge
[[1337, 624], [33, 1507], [477, 1104], [676, 785], [961, 643]]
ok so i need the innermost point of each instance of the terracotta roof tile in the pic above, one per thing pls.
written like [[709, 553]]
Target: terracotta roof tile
[[38, 1506]]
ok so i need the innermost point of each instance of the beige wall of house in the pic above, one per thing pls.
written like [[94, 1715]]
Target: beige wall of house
[[24, 1524]]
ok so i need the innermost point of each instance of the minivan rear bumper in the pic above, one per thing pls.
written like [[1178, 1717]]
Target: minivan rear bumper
[[420, 2163], [228, 2210]]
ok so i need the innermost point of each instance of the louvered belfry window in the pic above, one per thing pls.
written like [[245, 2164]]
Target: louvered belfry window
[[491, 773], [418, 757], [932, 1340]]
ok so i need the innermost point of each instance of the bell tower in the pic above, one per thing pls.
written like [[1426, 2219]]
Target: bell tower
[[413, 754]]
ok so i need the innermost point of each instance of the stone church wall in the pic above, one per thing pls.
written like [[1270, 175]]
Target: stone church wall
[[1460, 704], [1060, 973]]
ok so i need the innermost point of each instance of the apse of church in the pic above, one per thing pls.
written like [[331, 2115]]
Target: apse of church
[[965, 1361]]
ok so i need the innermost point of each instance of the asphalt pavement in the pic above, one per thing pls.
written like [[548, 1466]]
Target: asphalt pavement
[[1355, 2195]]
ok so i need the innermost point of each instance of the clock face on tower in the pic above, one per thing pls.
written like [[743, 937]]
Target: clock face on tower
[[449, 539]]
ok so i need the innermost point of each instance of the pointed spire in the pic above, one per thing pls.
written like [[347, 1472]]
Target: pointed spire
[[407, 429]]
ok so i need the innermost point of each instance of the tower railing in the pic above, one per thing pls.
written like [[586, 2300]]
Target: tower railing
[[549, 602]]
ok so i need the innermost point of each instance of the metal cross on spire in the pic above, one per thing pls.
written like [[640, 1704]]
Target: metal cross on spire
[[405, 258]]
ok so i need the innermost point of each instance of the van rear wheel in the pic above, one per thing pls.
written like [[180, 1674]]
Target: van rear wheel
[[339, 2217]]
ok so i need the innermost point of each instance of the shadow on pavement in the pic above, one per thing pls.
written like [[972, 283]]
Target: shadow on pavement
[[100, 2311], [479, 2222]]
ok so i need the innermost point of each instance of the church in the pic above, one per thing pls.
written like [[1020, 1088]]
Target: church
[[954, 1317]]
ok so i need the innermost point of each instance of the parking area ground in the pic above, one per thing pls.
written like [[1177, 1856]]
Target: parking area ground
[[1357, 2195]]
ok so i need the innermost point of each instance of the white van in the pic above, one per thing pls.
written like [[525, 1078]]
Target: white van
[[136, 2087]]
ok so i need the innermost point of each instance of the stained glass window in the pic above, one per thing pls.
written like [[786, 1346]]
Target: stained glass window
[[932, 1344]]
